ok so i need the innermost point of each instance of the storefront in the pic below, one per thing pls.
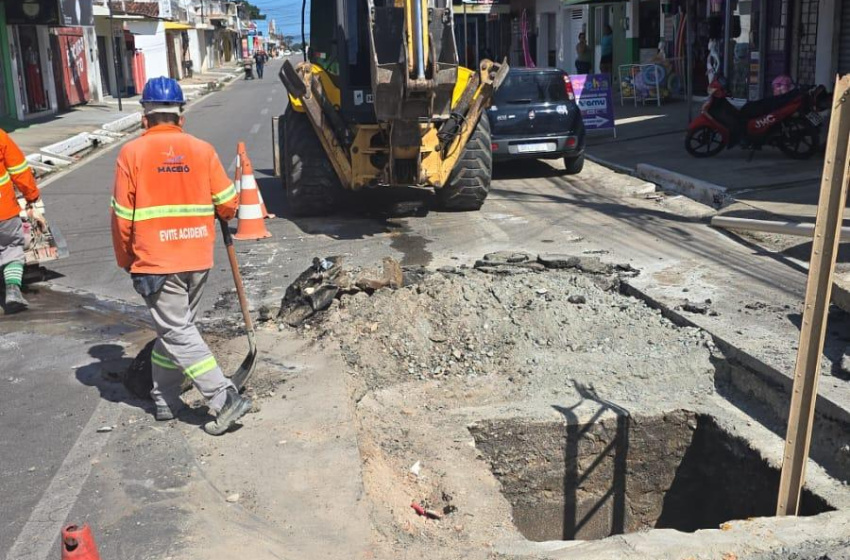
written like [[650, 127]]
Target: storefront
[[749, 42], [35, 92], [69, 56], [482, 30], [7, 92], [844, 38], [70, 66], [612, 29]]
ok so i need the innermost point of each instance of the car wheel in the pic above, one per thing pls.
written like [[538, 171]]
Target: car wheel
[[574, 165]]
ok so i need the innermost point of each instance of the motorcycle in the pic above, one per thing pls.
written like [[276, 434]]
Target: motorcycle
[[791, 122], [248, 67]]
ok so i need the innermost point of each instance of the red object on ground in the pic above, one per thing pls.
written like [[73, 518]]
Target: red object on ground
[[418, 509], [78, 543]]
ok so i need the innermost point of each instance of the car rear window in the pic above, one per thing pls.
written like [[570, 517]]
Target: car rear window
[[532, 87]]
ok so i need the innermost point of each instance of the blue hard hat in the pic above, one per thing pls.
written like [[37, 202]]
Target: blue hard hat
[[162, 90]]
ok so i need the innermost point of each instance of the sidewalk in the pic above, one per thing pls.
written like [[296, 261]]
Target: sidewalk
[[61, 139], [648, 135], [650, 145]]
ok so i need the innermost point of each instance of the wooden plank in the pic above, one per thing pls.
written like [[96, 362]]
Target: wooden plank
[[830, 215]]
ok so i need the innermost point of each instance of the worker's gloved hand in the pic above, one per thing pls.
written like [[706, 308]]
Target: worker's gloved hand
[[35, 215]]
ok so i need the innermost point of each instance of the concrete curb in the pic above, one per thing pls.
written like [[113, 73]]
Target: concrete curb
[[610, 164], [124, 123], [638, 190], [696, 189]]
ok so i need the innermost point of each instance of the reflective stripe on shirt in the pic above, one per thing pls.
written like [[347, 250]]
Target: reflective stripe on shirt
[[169, 211], [18, 169], [224, 196]]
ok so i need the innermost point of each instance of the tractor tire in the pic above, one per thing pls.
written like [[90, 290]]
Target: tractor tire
[[469, 182], [312, 185]]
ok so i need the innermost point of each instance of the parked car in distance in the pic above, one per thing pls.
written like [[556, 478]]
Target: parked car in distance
[[287, 53], [534, 115]]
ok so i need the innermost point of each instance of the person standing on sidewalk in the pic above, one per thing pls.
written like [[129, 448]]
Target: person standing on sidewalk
[[582, 55], [260, 58], [15, 172], [169, 187]]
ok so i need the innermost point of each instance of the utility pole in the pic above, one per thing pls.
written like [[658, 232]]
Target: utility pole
[[833, 197], [114, 57]]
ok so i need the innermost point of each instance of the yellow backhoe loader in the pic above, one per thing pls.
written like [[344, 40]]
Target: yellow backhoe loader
[[381, 101]]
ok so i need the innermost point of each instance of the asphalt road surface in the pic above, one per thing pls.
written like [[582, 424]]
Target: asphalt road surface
[[61, 409]]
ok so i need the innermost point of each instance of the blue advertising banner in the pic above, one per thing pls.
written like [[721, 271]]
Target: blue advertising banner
[[595, 100]]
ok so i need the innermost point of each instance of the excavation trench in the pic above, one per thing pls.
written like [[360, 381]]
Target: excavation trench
[[621, 474], [596, 412]]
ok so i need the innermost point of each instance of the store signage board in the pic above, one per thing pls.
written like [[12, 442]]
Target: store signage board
[[473, 7], [32, 12], [595, 100], [76, 13]]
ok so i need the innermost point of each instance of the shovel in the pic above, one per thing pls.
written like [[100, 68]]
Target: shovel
[[250, 362]]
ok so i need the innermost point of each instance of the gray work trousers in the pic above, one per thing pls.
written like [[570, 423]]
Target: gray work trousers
[[11, 241], [179, 350]]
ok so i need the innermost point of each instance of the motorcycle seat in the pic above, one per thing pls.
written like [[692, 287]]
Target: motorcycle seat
[[768, 105]]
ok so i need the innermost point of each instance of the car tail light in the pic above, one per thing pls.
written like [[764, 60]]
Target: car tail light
[[571, 142], [568, 87], [494, 146]]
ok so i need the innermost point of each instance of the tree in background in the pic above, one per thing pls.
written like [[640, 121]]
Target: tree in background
[[252, 11]]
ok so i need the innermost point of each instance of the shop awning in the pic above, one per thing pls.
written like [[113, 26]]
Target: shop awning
[[174, 26]]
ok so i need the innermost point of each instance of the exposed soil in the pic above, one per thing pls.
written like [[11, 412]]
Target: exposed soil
[[512, 340]]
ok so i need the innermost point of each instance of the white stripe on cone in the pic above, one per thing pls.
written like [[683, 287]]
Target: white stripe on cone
[[249, 183], [238, 182], [250, 212]]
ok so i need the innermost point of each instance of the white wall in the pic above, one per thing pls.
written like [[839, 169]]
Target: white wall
[[150, 39], [196, 42], [93, 61], [550, 7], [102, 29]]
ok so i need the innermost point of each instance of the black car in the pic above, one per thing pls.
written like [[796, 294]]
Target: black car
[[535, 115]]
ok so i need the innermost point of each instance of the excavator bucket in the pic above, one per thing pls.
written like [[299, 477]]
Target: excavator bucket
[[402, 90]]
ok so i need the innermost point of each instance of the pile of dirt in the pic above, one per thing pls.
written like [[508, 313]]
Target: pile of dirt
[[551, 321]]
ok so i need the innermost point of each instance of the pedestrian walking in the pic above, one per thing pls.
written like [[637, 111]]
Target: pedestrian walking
[[15, 173], [260, 59], [582, 55], [169, 187]]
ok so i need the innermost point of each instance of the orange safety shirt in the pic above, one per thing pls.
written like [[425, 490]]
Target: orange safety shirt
[[168, 187], [14, 172]]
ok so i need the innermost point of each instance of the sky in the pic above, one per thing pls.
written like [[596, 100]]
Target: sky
[[286, 13]]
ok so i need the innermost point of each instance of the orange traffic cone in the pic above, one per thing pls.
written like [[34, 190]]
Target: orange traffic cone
[[240, 151], [78, 544], [241, 154], [263, 207], [250, 214]]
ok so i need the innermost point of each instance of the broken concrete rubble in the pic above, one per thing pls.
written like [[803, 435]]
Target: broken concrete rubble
[[326, 279]]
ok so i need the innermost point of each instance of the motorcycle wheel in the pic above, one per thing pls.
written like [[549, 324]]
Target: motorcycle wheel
[[798, 139], [703, 142]]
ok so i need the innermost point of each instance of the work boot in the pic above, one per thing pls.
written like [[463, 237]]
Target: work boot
[[15, 301], [165, 412], [235, 407]]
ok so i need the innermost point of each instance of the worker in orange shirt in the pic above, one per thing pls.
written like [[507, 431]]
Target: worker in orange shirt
[[15, 172], [169, 187]]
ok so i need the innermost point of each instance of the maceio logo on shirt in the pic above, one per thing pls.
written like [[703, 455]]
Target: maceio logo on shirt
[[173, 163]]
